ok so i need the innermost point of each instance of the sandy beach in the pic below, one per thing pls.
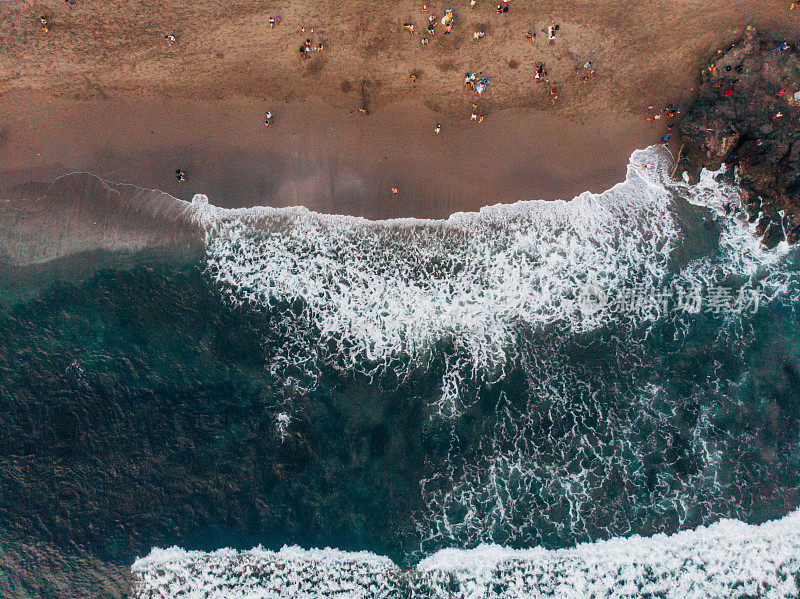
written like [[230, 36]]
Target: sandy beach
[[326, 158], [218, 394], [103, 92]]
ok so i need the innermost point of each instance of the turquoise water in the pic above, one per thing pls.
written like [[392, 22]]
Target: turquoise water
[[405, 387]]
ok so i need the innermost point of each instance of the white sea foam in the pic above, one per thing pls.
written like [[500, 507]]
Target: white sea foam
[[725, 560], [384, 293], [262, 574], [387, 291], [368, 296]]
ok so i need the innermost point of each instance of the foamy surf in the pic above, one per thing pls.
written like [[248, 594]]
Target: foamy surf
[[481, 295], [385, 292], [728, 559]]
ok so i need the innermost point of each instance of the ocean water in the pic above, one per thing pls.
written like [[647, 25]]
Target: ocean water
[[598, 397]]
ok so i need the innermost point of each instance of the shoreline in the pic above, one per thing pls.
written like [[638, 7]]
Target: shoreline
[[327, 159]]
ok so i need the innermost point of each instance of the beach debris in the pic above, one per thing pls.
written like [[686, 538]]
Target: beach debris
[[784, 47], [394, 190], [437, 128], [424, 7], [478, 34], [44, 23], [274, 21], [553, 94], [472, 3], [170, 39], [180, 175], [530, 36]]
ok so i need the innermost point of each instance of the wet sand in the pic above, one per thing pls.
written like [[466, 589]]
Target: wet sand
[[329, 159]]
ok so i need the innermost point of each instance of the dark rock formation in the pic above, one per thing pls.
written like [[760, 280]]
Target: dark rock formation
[[747, 115]]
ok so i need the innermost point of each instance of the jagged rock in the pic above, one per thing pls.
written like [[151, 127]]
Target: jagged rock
[[745, 116]]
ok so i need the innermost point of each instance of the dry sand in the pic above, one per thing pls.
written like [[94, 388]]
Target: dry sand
[[101, 91]]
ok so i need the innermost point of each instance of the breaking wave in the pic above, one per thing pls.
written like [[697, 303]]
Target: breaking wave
[[593, 377], [373, 296], [728, 559]]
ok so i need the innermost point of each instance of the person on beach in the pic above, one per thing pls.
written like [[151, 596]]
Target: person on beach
[[43, 20], [268, 120], [180, 175], [448, 17], [437, 129], [170, 39]]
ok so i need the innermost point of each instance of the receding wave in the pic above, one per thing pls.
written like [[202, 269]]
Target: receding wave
[[81, 213], [728, 559]]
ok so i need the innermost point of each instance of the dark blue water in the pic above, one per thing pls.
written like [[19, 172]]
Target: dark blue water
[[407, 387]]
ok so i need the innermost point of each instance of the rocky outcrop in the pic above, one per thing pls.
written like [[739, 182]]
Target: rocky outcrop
[[747, 115]]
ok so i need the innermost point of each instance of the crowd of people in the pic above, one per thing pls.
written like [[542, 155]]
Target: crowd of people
[[476, 82]]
